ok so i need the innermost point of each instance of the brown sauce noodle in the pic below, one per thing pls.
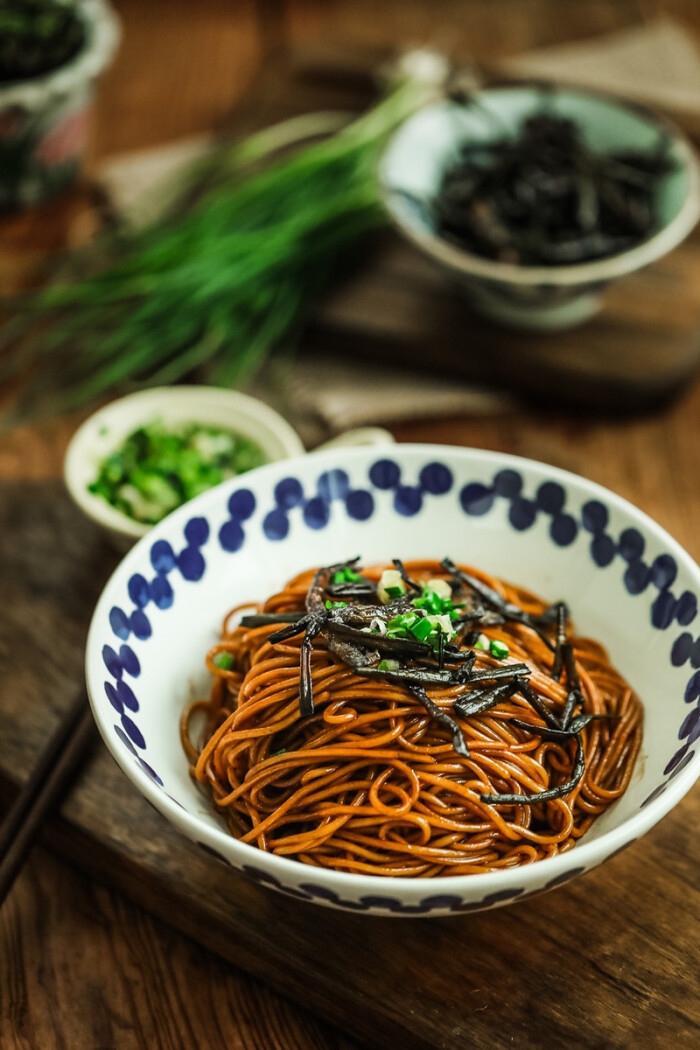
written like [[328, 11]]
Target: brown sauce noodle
[[371, 784]]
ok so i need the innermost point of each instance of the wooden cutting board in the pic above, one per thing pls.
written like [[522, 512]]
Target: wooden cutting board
[[590, 965]]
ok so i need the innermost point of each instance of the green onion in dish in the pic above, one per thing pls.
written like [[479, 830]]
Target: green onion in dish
[[499, 649], [156, 469], [224, 661]]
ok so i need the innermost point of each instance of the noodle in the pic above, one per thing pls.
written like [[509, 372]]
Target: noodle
[[371, 782]]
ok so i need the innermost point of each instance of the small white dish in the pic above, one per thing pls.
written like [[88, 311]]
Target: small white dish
[[537, 297], [626, 581], [106, 429]]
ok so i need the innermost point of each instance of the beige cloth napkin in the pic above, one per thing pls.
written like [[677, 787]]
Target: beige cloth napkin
[[326, 395], [657, 63]]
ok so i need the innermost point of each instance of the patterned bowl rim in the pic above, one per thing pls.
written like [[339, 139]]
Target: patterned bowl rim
[[584, 857]]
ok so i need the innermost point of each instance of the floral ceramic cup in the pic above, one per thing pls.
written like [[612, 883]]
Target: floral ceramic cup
[[44, 120]]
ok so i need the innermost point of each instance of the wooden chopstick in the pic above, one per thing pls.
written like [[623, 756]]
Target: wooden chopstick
[[57, 764]]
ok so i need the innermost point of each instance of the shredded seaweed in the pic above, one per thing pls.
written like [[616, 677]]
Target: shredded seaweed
[[548, 733], [442, 718], [562, 615], [552, 793], [267, 619], [481, 700], [399, 565], [351, 631], [507, 610]]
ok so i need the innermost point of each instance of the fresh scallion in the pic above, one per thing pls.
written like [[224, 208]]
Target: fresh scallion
[[390, 586], [155, 469], [421, 628], [499, 649], [231, 272], [346, 575], [224, 661]]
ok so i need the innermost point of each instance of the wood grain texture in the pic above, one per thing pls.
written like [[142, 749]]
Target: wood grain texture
[[81, 967], [619, 937], [642, 347], [608, 963]]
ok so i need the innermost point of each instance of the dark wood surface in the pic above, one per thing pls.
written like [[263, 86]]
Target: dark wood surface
[[595, 964], [608, 962]]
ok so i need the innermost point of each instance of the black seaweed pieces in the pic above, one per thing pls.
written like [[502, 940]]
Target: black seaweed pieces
[[506, 610], [267, 619], [411, 584], [562, 614], [549, 733], [481, 700], [442, 718], [552, 793], [543, 197]]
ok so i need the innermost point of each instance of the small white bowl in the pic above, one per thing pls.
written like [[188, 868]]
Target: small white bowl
[[544, 297], [105, 431], [625, 580]]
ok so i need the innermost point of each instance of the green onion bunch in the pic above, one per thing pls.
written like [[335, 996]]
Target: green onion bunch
[[216, 286]]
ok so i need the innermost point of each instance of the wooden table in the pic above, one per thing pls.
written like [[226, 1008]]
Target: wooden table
[[82, 967]]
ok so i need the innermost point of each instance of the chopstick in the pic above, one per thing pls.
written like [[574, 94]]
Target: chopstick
[[57, 764]]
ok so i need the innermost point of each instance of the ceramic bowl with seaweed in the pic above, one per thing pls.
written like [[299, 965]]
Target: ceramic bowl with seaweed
[[51, 54], [535, 198], [626, 582]]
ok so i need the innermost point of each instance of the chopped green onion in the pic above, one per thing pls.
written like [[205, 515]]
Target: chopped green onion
[[442, 623], [390, 581], [428, 601], [403, 621], [155, 470], [421, 628], [388, 665], [482, 642], [336, 605], [346, 575], [499, 649], [282, 751], [434, 600], [223, 661]]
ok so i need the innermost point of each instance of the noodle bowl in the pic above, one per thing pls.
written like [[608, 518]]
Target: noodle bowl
[[406, 767]]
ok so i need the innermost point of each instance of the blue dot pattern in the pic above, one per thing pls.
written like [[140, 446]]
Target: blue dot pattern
[[146, 596], [135, 622], [408, 500], [241, 506]]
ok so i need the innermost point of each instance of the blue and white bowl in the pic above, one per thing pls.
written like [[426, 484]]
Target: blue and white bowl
[[627, 582], [536, 297]]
